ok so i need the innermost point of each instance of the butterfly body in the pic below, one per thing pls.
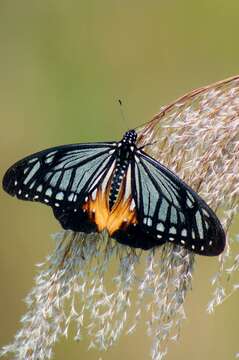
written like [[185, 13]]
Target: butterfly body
[[117, 187]]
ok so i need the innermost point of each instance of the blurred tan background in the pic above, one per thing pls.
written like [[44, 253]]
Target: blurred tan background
[[63, 65]]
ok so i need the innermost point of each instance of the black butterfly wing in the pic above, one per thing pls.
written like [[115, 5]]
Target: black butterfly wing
[[169, 210], [62, 177]]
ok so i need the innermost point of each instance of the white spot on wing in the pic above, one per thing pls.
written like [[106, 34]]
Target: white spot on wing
[[49, 160], [172, 230], [51, 153], [184, 232], [71, 196], [160, 227], [60, 196], [32, 160], [132, 205], [39, 188], [48, 192], [93, 195]]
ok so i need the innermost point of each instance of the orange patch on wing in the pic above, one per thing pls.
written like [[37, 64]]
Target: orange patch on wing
[[112, 220], [121, 216]]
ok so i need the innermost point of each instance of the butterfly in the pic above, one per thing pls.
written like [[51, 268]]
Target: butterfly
[[116, 186]]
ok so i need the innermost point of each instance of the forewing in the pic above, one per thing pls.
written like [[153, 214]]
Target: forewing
[[171, 211], [61, 177]]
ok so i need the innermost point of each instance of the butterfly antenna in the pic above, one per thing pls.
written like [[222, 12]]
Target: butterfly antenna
[[122, 110], [148, 144]]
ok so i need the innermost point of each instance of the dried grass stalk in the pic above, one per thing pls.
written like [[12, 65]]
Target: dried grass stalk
[[197, 136], [199, 140]]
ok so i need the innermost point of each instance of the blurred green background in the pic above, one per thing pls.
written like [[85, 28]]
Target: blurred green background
[[63, 65]]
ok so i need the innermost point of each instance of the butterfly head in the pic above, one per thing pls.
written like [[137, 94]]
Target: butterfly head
[[129, 137]]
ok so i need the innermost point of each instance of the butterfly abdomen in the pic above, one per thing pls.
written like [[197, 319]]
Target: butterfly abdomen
[[116, 182], [124, 154]]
